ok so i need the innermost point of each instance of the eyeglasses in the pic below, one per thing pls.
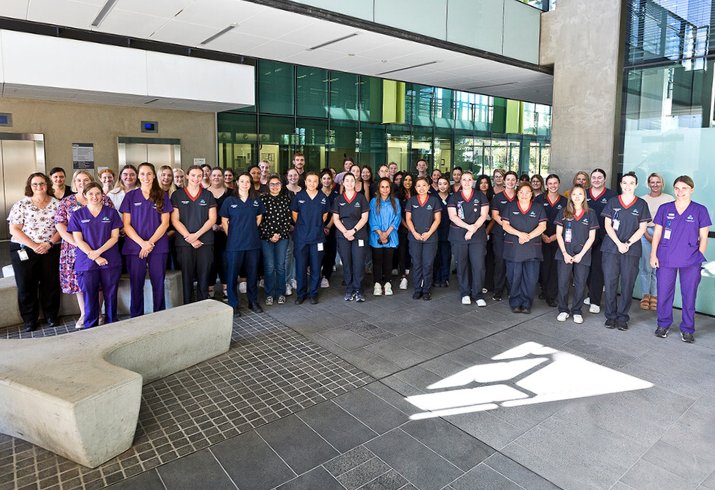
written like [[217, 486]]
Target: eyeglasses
[[274, 184], [41, 184]]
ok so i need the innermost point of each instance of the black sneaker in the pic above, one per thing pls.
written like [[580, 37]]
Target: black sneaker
[[236, 312], [516, 309], [622, 326], [542, 295], [610, 323], [417, 295], [426, 296], [313, 300], [53, 322], [526, 311], [497, 296], [687, 337], [255, 308], [299, 300], [551, 303], [30, 326], [661, 332]]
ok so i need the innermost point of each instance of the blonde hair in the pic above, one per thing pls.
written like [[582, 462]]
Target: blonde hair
[[83, 172]]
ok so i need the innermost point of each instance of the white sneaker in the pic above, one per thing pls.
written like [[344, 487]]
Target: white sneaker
[[407, 272], [594, 309], [403, 283], [481, 303], [324, 283], [378, 289], [289, 290], [587, 301], [388, 289], [466, 300], [260, 283], [563, 316], [242, 287], [294, 284], [577, 319]]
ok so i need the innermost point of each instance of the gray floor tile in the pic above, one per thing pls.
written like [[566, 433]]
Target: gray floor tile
[[680, 462], [335, 425], [146, 481], [710, 481], [518, 473], [416, 380], [297, 444], [373, 364], [345, 338], [392, 397], [644, 476], [453, 444], [315, 479], [371, 410], [364, 473], [349, 460], [487, 428], [195, 471], [484, 478], [251, 463], [391, 480], [421, 466]]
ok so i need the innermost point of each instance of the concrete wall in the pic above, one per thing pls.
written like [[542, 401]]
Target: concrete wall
[[65, 123], [582, 40]]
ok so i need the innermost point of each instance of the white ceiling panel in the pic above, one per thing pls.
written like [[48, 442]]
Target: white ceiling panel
[[321, 58], [157, 8], [311, 36], [394, 50], [16, 9], [183, 33], [276, 50], [235, 42], [62, 12], [275, 23], [219, 13], [131, 24], [364, 41], [350, 64]]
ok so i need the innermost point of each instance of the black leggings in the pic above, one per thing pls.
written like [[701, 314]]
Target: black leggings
[[382, 264]]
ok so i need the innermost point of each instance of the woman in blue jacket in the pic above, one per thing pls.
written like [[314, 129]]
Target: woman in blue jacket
[[385, 218]]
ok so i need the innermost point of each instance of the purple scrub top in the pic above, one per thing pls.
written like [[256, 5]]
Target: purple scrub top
[[681, 248], [145, 221], [95, 232]]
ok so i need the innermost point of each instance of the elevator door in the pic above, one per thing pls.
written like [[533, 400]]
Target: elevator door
[[20, 155], [159, 151]]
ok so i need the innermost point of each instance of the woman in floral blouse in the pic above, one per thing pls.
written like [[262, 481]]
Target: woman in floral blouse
[[33, 253], [275, 231]]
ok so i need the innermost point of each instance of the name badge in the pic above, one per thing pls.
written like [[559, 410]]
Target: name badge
[[666, 235], [361, 243], [320, 247], [567, 235], [23, 255], [616, 223]]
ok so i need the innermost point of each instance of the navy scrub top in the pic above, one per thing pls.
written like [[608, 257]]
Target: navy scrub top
[[443, 230], [580, 226], [422, 215], [96, 230], [243, 231], [193, 213], [309, 226], [526, 221], [334, 193], [597, 204], [681, 248], [629, 217], [499, 203], [350, 213], [469, 211], [552, 210]]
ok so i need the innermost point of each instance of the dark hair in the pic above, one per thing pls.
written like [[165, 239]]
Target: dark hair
[[525, 184], [194, 167], [401, 190], [325, 171], [252, 191], [207, 165], [550, 176], [427, 180], [372, 179], [249, 168], [685, 179], [28, 184], [234, 173], [524, 178], [570, 209], [490, 188], [57, 170], [278, 178], [348, 159], [92, 185], [511, 172], [599, 170], [378, 197], [156, 194], [119, 183], [457, 168], [308, 174], [445, 178], [629, 174]]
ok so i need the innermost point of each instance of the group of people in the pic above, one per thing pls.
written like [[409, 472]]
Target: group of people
[[503, 233]]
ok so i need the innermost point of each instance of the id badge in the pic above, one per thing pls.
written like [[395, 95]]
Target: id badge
[[666, 235], [23, 255], [616, 224], [320, 247], [567, 235], [361, 243]]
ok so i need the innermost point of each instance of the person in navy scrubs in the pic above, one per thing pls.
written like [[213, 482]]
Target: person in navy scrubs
[[351, 212], [498, 207], [330, 189], [422, 215], [193, 218], [310, 208], [553, 203], [468, 211], [146, 213], [597, 197], [241, 214], [679, 243], [576, 228], [523, 223], [626, 219], [443, 259], [95, 229]]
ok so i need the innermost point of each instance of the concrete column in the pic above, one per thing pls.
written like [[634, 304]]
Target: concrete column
[[582, 40]]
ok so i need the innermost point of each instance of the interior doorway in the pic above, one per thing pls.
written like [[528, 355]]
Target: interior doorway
[[157, 151]]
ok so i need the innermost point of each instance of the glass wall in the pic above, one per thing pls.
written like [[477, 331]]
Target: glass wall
[[330, 115]]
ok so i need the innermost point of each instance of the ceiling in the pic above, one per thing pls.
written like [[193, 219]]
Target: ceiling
[[268, 33]]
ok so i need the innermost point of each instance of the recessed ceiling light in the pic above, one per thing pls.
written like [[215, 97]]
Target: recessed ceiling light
[[218, 34], [103, 13], [333, 41], [408, 67]]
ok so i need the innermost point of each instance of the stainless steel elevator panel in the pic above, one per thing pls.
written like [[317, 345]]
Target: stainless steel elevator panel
[[158, 151], [20, 155]]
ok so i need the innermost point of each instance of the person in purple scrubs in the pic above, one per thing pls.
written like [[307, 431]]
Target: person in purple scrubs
[[146, 212], [679, 243], [95, 230]]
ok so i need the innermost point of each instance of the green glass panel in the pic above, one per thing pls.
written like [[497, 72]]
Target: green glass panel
[[443, 151], [421, 147], [276, 85], [373, 145], [236, 140], [418, 102], [344, 96], [483, 112], [398, 145], [312, 141], [464, 106], [444, 108], [344, 142], [277, 141], [370, 99], [311, 92]]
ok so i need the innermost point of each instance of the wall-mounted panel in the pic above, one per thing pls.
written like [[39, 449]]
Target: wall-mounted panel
[[476, 23], [426, 17], [522, 25]]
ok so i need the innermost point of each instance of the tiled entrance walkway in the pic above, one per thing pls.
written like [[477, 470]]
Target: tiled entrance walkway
[[348, 397]]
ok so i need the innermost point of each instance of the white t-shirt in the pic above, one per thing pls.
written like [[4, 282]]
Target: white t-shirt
[[654, 203]]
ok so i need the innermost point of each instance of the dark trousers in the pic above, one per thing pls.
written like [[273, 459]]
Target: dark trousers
[[40, 273], [442, 261], [422, 264], [195, 265], [500, 274], [580, 275], [489, 266], [549, 273], [469, 259], [331, 250], [90, 282], [156, 263], [595, 279], [522, 277], [689, 281], [307, 254], [403, 254], [249, 260], [353, 257], [625, 268], [382, 264]]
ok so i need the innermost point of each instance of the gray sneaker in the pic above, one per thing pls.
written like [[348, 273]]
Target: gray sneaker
[[269, 300], [687, 337], [281, 300], [359, 297], [661, 332]]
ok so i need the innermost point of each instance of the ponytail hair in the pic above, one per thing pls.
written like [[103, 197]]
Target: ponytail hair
[[156, 194]]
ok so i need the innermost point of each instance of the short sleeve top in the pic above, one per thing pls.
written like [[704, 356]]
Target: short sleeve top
[[423, 215], [193, 213], [598, 203], [350, 212], [552, 210], [499, 203], [625, 221], [96, 230], [579, 225], [243, 231], [469, 210], [524, 220], [680, 242], [37, 223], [145, 220], [309, 225]]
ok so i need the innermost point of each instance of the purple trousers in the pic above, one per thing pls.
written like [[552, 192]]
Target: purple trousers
[[689, 281], [156, 263], [90, 281]]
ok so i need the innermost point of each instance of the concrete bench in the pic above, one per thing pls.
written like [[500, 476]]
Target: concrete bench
[[173, 294], [78, 395]]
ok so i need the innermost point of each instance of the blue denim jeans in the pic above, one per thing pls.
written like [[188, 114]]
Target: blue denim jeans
[[274, 265]]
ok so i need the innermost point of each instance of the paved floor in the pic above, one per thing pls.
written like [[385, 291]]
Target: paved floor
[[402, 394]]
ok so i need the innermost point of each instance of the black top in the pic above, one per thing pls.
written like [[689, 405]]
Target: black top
[[524, 220], [422, 215], [334, 193], [350, 212], [499, 203], [220, 237], [443, 230], [597, 204], [469, 211], [625, 221], [552, 210], [277, 218], [193, 213], [578, 227], [68, 192]]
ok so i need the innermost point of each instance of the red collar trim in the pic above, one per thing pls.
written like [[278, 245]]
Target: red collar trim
[[620, 198], [507, 196], [552, 204], [422, 203], [524, 211], [465, 197], [578, 216], [350, 201], [590, 191], [454, 189], [193, 198]]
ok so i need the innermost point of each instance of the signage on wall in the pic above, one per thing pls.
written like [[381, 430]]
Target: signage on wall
[[199, 161], [83, 156]]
